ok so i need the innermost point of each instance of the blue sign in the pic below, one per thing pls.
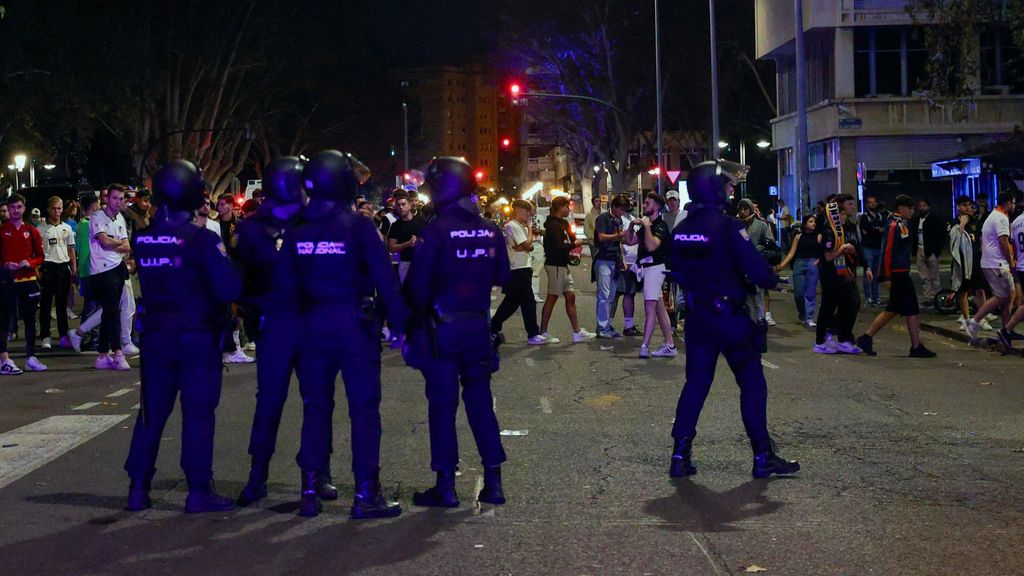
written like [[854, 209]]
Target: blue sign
[[773, 190]]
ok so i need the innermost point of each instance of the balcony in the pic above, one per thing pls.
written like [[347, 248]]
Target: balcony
[[774, 19], [902, 117]]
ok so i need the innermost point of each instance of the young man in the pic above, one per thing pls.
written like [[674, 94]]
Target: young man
[[1006, 334], [608, 236], [626, 286], [108, 272], [840, 300], [519, 292], [651, 236], [895, 271], [927, 239], [871, 226], [404, 233], [21, 248], [90, 308], [559, 240], [58, 268], [997, 260], [759, 233], [589, 221]]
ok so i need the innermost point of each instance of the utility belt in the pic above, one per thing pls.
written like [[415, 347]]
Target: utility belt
[[459, 316], [365, 309], [174, 321], [715, 304]]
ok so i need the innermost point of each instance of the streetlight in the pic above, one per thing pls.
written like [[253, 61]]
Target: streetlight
[[722, 144], [19, 165], [763, 144]]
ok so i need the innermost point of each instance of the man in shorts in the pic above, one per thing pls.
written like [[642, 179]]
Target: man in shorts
[[997, 261], [559, 240], [652, 239], [894, 271]]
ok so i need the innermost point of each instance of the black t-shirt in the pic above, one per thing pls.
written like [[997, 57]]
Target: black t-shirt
[[559, 240], [606, 224], [403, 231], [659, 228], [828, 244], [807, 246]]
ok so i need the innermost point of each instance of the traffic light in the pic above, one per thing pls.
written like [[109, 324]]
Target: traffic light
[[480, 174], [506, 142], [515, 92]]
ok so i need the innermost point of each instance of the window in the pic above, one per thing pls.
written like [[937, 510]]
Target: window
[[1000, 61], [889, 60], [821, 155], [786, 162]]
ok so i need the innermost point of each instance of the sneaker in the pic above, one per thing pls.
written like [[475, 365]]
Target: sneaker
[[385, 334], [811, 324], [866, 344], [8, 368], [75, 340], [1016, 336], [829, 347], [538, 299], [991, 317], [53, 314], [768, 319], [921, 352], [869, 302], [250, 347], [550, 339], [72, 315], [582, 336], [986, 326], [538, 340], [962, 323], [34, 365], [119, 363], [665, 351], [103, 363], [1004, 338], [130, 349], [631, 331], [972, 330], [47, 344], [238, 357], [645, 351], [847, 348]]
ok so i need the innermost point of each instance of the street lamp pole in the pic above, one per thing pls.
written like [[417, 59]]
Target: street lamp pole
[[405, 134], [803, 174], [714, 83], [660, 98]]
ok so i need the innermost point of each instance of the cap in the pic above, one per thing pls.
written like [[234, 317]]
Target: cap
[[748, 203], [672, 194], [35, 212]]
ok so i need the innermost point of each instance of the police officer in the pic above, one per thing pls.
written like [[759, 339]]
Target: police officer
[[338, 259], [272, 316], [188, 280], [449, 285], [716, 266]]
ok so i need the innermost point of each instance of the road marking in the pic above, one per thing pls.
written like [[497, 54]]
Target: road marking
[[706, 555], [44, 441], [86, 406], [120, 392], [545, 405], [494, 404], [137, 406], [768, 364]]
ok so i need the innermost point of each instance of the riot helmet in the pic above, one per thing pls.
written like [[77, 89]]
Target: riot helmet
[[178, 185], [450, 179], [283, 179], [334, 176], [707, 183]]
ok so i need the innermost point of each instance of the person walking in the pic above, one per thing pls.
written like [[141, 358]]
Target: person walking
[[518, 292], [871, 226], [559, 240], [997, 261], [837, 269], [804, 253], [928, 236]]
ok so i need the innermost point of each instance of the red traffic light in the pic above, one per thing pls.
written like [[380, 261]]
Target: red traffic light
[[514, 89], [479, 175], [506, 142]]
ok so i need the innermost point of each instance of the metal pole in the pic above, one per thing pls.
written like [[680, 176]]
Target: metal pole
[[405, 135], [714, 84], [660, 99], [803, 174]]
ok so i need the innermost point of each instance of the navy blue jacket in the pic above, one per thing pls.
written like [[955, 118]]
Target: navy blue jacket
[[896, 246], [268, 288]]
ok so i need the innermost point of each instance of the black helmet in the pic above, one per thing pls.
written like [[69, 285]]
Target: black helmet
[[450, 180], [335, 176], [282, 180], [706, 183], [179, 185]]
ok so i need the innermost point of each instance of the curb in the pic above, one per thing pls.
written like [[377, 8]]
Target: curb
[[984, 342]]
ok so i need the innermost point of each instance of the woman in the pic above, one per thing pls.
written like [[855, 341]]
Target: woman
[[804, 252]]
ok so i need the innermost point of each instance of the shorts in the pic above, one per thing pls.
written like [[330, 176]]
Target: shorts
[[559, 279], [1000, 280], [626, 284], [654, 277], [902, 295]]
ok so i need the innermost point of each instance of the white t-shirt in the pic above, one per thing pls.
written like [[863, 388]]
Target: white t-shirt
[[995, 226], [516, 234], [56, 240], [101, 259], [1017, 239], [629, 253]]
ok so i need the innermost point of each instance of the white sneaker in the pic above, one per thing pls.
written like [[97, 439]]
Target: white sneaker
[[76, 340], [130, 349], [250, 347], [972, 330], [238, 357], [538, 299], [72, 315], [582, 336], [645, 351], [8, 368], [962, 322], [550, 339], [768, 319], [847, 348], [991, 317], [119, 363], [829, 347], [103, 363], [46, 345], [665, 351], [538, 340], [986, 326], [34, 365], [811, 324]]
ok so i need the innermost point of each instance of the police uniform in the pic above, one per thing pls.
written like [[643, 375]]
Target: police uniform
[[339, 260], [188, 280], [716, 265], [449, 285]]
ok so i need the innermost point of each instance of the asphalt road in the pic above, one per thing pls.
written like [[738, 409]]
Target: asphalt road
[[909, 467]]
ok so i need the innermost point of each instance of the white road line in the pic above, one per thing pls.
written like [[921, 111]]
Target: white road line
[[42, 442], [120, 392], [768, 364], [137, 406], [711, 561], [545, 405], [494, 404], [530, 362], [86, 406]]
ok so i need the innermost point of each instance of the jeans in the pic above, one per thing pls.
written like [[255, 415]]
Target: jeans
[[605, 270], [805, 287], [872, 259]]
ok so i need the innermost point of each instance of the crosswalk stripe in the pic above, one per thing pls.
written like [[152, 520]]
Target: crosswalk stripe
[[85, 406], [120, 392]]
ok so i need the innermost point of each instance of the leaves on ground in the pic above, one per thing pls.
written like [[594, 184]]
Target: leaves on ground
[[754, 568]]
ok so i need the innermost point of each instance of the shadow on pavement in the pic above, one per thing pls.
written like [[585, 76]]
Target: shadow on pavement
[[697, 508]]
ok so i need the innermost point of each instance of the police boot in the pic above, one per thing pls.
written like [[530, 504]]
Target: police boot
[[370, 503], [256, 488], [138, 496], [441, 495], [310, 505], [325, 487], [492, 492], [682, 459], [202, 497], [767, 462]]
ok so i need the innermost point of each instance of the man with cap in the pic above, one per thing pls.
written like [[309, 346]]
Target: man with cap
[[188, 280], [449, 286], [673, 215], [337, 260], [715, 265]]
